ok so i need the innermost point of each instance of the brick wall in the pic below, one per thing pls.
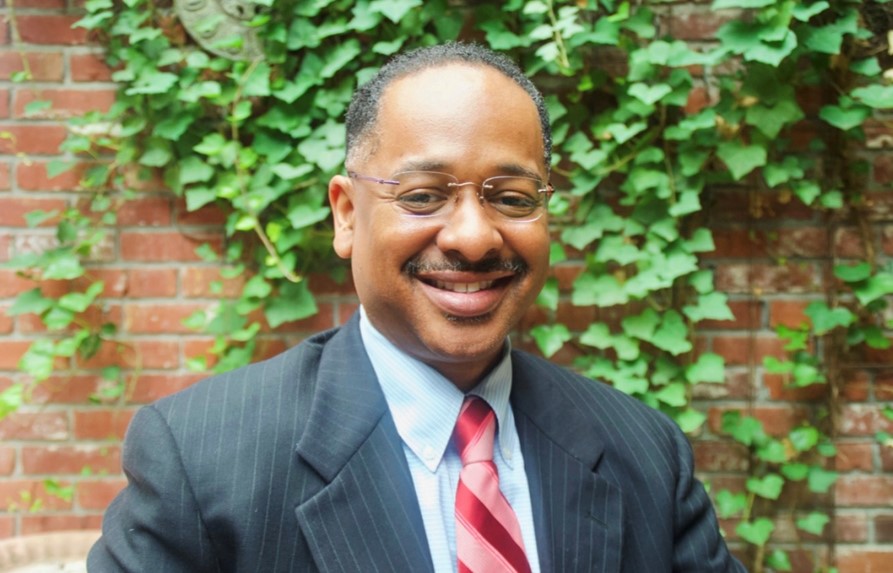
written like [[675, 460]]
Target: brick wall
[[769, 257]]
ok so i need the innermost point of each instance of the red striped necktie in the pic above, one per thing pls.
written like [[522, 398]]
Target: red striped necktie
[[488, 537]]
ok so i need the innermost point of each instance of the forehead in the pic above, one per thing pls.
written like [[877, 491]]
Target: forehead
[[459, 108]]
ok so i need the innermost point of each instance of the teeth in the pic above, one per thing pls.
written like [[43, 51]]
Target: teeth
[[463, 287]]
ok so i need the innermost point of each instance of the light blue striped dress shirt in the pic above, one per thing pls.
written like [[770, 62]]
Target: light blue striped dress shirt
[[425, 406]]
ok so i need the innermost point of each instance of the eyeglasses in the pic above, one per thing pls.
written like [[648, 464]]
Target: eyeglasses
[[432, 194]]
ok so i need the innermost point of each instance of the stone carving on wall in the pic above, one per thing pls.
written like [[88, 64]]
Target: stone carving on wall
[[215, 23]]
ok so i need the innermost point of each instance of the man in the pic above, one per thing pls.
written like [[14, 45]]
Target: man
[[341, 454]]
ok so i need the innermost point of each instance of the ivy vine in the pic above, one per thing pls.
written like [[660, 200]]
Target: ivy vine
[[635, 158]]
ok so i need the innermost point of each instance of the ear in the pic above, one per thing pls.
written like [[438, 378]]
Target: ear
[[343, 210]]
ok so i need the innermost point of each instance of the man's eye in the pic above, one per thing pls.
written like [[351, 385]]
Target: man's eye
[[513, 201], [423, 199]]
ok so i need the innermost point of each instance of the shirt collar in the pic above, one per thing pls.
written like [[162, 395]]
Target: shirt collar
[[425, 405]]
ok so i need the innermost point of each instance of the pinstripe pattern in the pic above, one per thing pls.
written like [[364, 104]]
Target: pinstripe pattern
[[294, 464]]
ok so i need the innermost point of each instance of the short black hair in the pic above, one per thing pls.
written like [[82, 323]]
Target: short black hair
[[363, 110]]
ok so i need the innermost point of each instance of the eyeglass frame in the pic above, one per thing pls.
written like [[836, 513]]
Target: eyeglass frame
[[547, 191]]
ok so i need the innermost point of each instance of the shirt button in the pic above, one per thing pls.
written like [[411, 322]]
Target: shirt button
[[428, 453]]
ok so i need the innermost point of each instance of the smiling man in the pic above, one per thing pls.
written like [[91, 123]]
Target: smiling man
[[414, 438]]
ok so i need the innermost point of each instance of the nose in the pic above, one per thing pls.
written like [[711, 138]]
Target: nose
[[468, 231]]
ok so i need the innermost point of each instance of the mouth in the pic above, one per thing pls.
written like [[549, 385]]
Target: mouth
[[462, 287]]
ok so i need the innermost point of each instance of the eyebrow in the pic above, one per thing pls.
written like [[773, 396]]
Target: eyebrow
[[504, 169]]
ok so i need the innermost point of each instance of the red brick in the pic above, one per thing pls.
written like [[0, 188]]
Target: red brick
[[101, 424], [864, 491], [94, 315], [89, 68], [757, 278], [789, 313], [145, 211], [35, 426], [855, 385], [71, 459], [50, 29], [879, 206], [44, 66], [4, 96], [849, 243], [4, 177], [747, 313], [734, 206], [346, 310], [7, 460], [197, 281], [14, 209], [33, 176], [4, 31], [34, 138], [10, 353], [851, 528], [777, 420], [323, 284], [747, 349], [165, 246], [200, 348], [35, 524], [883, 169], [7, 522], [149, 282], [863, 420], [158, 318], [779, 389], [6, 322], [98, 494], [65, 389], [322, 320], [20, 495], [854, 456], [716, 456], [5, 246], [208, 215], [42, 3], [567, 273], [138, 354], [151, 387], [886, 240], [883, 528], [688, 23], [698, 99], [66, 102]]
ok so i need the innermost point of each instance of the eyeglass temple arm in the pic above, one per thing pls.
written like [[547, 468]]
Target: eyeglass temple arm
[[355, 175]]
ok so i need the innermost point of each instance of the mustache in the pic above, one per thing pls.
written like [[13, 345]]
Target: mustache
[[514, 265]]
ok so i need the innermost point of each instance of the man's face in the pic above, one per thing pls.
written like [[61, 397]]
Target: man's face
[[443, 289]]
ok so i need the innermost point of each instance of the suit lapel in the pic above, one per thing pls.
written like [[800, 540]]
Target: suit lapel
[[365, 516], [578, 514]]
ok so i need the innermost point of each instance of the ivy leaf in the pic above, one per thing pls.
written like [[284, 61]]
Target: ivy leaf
[[394, 10], [11, 399], [603, 290], [746, 430], [807, 191], [341, 56], [672, 334], [31, 301], [771, 120], [876, 287], [617, 248], [152, 81], [550, 338], [813, 523], [709, 367], [853, 273], [641, 326], [621, 133], [741, 159], [302, 215], [876, 96], [673, 394], [844, 118], [690, 420], [711, 306], [820, 480], [768, 486], [548, 296], [804, 438], [867, 67], [825, 319], [649, 95], [777, 173], [773, 452], [779, 560], [796, 471], [198, 197], [738, 4], [194, 170], [756, 532], [804, 12], [294, 302], [257, 82], [729, 504]]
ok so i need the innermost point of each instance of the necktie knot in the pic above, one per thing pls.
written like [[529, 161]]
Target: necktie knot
[[475, 431]]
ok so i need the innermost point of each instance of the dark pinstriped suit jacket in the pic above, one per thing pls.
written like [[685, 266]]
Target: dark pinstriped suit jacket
[[294, 464]]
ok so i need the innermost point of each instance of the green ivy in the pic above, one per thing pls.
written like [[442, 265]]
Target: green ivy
[[635, 160]]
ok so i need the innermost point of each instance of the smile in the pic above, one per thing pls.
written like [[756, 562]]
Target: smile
[[463, 287]]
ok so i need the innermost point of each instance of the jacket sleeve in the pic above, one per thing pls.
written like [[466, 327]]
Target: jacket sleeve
[[155, 523], [698, 545]]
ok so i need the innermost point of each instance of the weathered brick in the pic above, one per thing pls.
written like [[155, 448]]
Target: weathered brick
[[13, 210], [56, 459], [165, 246], [151, 211], [42, 138], [161, 354], [23, 494], [66, 102], [7, 460], [863, 420], [35, 524], [864, 490], [43, 66], [158, 318], [35, 426], [853, 456], [758, 279], [196, 282], [101, 424], [777, 420], [50, 29], [152, 387], [33, 176], [89, 68], [97, 494]]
